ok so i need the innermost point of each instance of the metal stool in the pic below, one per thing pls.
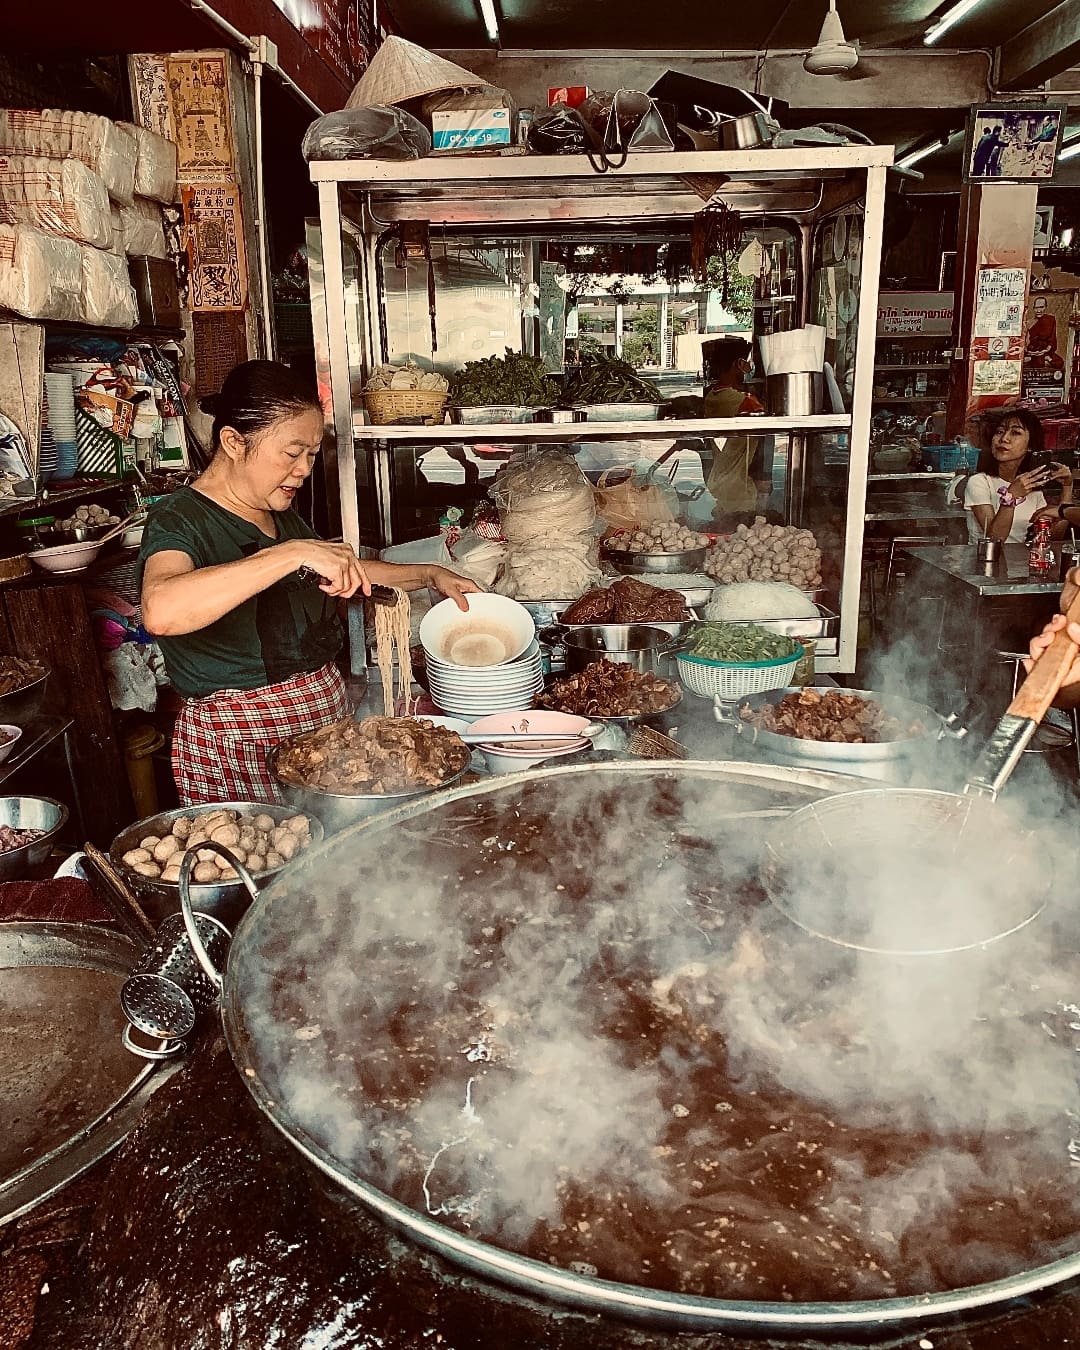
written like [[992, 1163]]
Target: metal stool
[[1048, 739]]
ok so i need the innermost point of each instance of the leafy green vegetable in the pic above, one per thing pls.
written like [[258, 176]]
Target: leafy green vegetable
[[513, 380], [607, 379], [740, 642]]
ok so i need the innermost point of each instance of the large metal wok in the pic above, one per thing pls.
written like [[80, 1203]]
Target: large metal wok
[[289, 906]]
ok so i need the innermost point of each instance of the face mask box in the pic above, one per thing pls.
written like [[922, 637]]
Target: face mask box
[[471, 128]]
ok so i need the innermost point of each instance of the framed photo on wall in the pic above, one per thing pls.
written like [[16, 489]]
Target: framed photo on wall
[[1012, 142], [1044, 227]]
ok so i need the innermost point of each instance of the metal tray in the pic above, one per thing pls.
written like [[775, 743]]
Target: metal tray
[[824, 629], [494, 413], [621, 412]]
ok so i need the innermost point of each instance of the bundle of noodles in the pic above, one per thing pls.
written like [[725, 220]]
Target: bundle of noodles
[[392, 631]]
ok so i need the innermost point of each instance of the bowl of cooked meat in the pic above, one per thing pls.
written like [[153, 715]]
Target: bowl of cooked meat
[[28, 827], [607, 691], [353, 769], [851, 731], [22, 688]]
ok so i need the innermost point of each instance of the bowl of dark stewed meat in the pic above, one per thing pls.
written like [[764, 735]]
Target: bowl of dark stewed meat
[[849, 730], [350, 769], [608, 691]]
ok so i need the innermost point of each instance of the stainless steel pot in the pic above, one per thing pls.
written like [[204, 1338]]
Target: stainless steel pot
[[689, 560], [798, 393], [337, 810], [890, 761], [746, 132], [288, 903], [627, 644]]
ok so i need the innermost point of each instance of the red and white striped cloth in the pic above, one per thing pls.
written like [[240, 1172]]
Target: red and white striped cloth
[[221, 741]]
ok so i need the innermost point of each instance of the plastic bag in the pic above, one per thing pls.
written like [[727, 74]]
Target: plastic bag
[[558, 131], [626, 120], [367, 133], [633, 500]]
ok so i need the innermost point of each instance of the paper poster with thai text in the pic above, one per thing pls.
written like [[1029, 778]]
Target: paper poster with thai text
[[995, 377], [999, 302], [217, 267], [201, 110]]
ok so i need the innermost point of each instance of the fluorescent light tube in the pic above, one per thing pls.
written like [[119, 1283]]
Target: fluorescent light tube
[[491, 20], [1070, 151], [950, 17], [914, 156]]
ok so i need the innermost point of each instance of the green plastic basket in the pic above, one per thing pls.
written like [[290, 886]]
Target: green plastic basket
[[731, 680]]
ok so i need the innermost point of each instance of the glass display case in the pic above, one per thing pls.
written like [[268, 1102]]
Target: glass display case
[[442, 261]]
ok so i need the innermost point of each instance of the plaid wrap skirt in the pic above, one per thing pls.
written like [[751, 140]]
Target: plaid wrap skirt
[[221, 741]]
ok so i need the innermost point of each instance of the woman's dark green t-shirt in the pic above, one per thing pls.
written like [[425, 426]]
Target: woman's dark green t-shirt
[[288, 629]]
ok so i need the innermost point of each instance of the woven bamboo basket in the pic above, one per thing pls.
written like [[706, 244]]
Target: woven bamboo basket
[[395, 405]]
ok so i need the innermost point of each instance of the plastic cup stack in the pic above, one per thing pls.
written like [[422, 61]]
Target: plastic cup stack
[[60, 391]]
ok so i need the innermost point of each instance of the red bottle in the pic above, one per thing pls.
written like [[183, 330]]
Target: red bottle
[[1041, 553]]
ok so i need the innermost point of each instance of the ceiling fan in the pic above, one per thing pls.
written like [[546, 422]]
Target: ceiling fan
[[833, 54]]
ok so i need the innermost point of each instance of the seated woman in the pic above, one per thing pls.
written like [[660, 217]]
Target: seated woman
[[1005, 492], [736, 479], [249, 645]]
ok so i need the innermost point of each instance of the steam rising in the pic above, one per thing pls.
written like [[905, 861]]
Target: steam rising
[[573, 1000]]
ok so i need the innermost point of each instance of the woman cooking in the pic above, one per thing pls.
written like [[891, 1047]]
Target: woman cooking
[[247, 643], [1005, 493]]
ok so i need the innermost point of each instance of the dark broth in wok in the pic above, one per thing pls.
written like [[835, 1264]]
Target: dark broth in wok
[[569, 1023]]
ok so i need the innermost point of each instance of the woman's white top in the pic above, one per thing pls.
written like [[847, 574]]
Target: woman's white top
[[982, 490]]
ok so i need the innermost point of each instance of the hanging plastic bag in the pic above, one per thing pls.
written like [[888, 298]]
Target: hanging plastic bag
[[632, 500], [367, 133]]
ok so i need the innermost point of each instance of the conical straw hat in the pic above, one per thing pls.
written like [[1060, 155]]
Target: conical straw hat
[[400, 70]]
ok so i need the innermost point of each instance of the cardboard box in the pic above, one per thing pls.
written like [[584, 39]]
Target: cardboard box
[[472, 128], [573, 95]]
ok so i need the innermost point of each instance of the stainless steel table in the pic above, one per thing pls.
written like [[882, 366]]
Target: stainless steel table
[[975, 613]]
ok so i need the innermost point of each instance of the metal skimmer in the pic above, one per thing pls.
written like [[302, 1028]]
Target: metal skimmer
[[166, 991]]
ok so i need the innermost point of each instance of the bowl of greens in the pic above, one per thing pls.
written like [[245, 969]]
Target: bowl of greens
[[732, 660], [501, 389]]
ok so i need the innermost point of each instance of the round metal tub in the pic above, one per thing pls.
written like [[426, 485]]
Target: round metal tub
[[227, 899], [889, 761], [338, 810], [284, 908], [72, 1091]]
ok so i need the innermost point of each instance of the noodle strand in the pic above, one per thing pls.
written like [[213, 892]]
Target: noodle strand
[[392, 632]]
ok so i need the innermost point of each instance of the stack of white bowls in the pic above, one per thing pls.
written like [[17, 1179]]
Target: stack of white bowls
[[497, 631]]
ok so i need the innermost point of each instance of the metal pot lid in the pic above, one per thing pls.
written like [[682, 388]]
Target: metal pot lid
[[494, 1017], [70, 1091]]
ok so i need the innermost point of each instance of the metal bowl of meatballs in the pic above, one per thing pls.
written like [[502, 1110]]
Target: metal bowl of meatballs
[[265, 837]]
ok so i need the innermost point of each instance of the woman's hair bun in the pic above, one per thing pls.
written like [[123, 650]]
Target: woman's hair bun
[[211, 404]]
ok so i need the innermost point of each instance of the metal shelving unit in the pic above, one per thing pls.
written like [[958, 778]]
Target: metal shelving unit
[[360, 200]]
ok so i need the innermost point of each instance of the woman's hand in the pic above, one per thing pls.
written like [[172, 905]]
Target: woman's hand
[[1039, 644], [342, 572], [452, 586], [1024, 484], [1045, 513]]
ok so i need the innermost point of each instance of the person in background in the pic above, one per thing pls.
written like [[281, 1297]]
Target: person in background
[[1005, 492], [736, 478], [248, 643]]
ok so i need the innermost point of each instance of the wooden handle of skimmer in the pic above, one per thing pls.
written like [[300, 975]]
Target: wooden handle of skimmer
[[1040, 688]]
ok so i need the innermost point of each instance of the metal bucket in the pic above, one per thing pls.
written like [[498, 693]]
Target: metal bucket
[[798, 393], [627, 644]]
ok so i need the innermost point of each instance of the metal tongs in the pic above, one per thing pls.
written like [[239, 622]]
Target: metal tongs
[[381, 595]]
